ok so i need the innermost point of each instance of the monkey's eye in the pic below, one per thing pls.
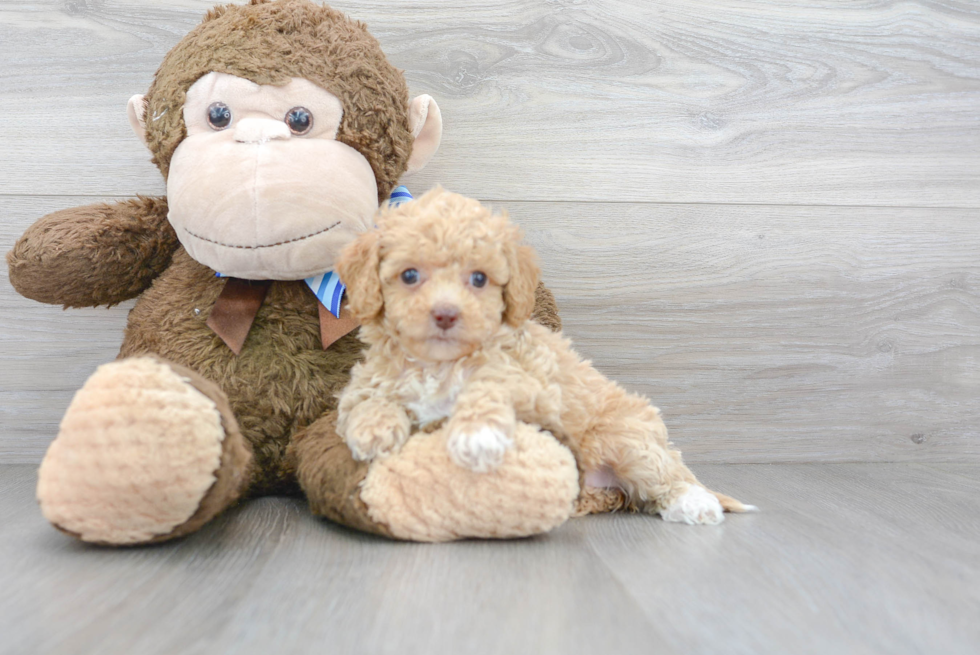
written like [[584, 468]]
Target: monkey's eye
[[299, 120], [219, 115], [478, 279], [410, 276]]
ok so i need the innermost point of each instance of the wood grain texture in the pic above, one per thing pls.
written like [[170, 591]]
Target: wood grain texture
[[843, 558], [868, 102], [778, 333], [765, 334]]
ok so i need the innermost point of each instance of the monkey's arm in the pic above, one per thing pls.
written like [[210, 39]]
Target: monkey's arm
[[98, 254], [546, 309]]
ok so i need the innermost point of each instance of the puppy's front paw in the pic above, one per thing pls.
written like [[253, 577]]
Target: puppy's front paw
[[376, 435], [481, 449], [696, 506]]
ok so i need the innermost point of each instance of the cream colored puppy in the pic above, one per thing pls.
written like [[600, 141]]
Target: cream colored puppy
[[444, 292]]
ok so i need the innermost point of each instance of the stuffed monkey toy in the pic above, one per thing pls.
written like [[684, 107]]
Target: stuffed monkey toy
[[279, 127]]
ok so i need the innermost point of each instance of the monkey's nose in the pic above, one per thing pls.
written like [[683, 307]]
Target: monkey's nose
[[260, 130], [445, 316]]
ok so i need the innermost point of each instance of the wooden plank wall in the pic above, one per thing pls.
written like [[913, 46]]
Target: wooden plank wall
[[763, 214]]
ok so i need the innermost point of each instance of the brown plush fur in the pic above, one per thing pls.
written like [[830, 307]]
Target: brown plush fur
[[546, 309], [48, 265], [282, 381], [330, 477], [269, 42], [283, 385]]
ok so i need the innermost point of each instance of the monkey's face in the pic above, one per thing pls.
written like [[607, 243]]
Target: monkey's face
[[260, 188]]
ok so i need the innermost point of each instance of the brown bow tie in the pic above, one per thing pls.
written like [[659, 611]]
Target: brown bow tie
[[236, 307]]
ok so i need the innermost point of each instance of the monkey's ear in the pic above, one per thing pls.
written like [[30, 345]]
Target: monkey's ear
[[426, 121], [357, 267], [519, 291], [137, 116]]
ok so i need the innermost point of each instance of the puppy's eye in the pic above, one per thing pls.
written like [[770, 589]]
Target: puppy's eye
[[299, 120], [219, 116], [410, 276], [478, 279]]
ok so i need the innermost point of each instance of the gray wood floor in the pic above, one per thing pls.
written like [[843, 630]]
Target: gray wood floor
[[761, 213], [846, 558]]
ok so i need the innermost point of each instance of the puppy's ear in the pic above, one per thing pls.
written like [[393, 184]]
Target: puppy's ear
[[358, 270], [519, 290]]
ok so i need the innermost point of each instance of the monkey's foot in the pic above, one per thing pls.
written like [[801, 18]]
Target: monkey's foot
[[147, 451], [422, 495]]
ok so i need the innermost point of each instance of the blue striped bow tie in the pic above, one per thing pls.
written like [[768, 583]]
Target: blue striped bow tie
[[327, 287]]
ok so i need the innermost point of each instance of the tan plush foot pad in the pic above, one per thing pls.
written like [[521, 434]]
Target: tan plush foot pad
[[421, 495], [136, 453]]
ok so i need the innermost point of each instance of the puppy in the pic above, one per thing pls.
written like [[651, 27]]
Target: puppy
[[444, 292]]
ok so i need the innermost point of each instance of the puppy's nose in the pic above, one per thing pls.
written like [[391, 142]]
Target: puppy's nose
[[445, 316]]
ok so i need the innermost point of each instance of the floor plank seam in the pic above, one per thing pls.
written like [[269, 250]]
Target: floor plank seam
[[649, 621], [647, 203]]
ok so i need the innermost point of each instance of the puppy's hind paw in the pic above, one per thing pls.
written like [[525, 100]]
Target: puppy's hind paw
[[696, 506], [481, 450]]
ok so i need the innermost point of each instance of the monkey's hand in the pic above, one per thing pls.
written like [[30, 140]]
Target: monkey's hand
[[374, 428], [93, 255]]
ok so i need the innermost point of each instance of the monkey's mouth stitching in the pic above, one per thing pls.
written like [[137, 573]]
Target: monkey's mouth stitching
[[268, 245]]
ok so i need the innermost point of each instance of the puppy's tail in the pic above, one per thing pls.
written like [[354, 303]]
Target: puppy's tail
[[729, 504]]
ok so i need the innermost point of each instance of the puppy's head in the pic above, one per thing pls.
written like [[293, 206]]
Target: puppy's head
[[440, 275]]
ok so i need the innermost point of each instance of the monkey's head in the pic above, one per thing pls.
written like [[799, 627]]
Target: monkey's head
[[279, 126]]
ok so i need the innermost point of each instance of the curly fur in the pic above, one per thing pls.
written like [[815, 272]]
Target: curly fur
[[491, 367]]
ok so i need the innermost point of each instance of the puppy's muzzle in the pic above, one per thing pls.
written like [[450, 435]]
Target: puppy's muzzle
[[445, 316]]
